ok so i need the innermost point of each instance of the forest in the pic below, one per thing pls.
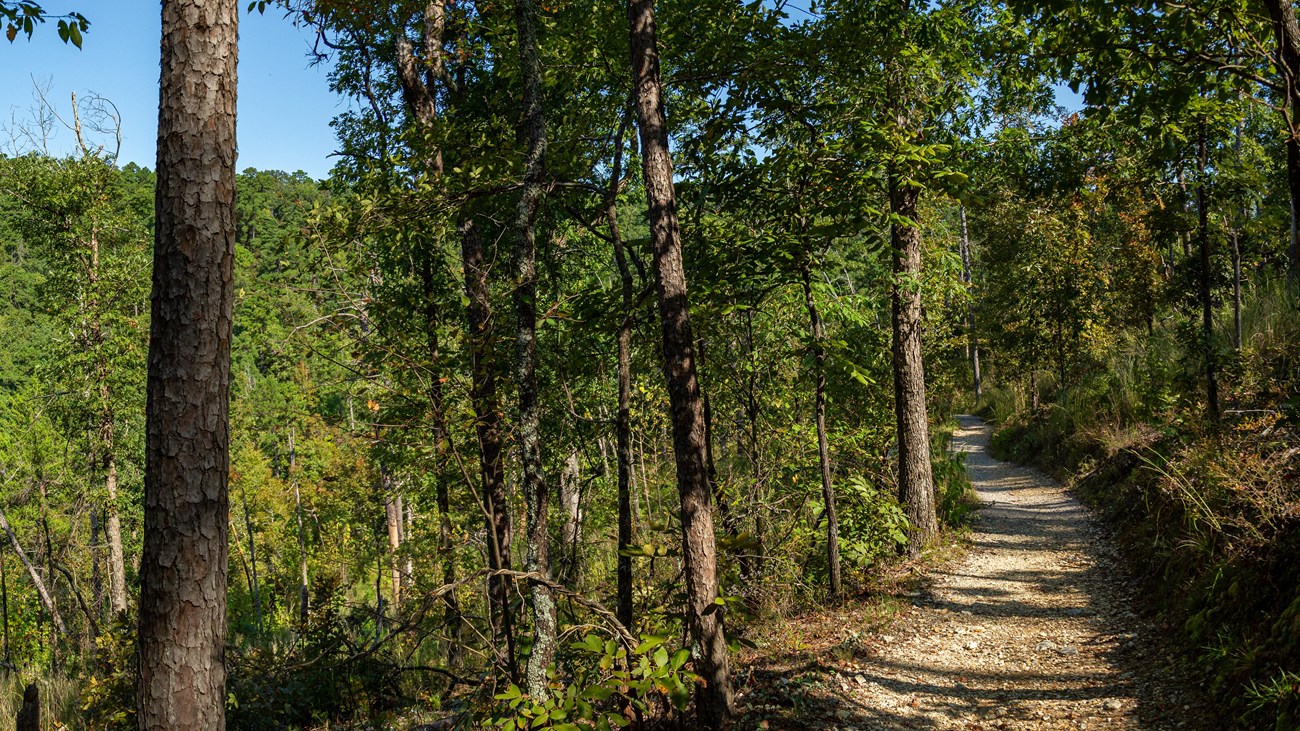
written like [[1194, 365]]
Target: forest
[[622, 353]]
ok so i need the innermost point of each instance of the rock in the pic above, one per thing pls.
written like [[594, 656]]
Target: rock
[[1046, 645], [1067, 650], [1114, 704], [972, 645], [859, 680]]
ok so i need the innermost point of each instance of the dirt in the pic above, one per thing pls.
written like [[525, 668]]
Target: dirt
[[1033, 628]]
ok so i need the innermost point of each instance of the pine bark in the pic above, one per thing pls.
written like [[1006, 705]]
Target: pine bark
[[182, 618], [536, 493], [915, 478], [713, 698], [823, 446], [487, 417]]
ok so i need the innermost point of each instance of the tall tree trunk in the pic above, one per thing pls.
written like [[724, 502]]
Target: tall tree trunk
[[442, 447], [1207, 302], [393, 525], [973, 343], [107, 437], [487, 417], [536, 495], [1236, 290], [571, 532], [186, 504], [252, 559], [304, 601], [915, 479], [623, 421], [42, 593], [713, 698], [823, 447]]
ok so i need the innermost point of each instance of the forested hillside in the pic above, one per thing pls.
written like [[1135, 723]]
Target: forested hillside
[[624, 338]]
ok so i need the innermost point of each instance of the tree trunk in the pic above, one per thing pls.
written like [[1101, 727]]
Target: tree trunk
[[713, 698], [623, 422], [42, 593], [487, 417], [186, 505], [968, 277], [1236, 290], [571, 509], [1207, 302], [393, 524], [442, 447], [536, 494], [304, 601], [823, 447], [915, 480], [252, 560]]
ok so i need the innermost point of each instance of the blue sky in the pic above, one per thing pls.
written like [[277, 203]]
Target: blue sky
[[284, 105]]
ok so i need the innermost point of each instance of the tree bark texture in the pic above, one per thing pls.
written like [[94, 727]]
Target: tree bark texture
[[536, 494], [186, 504], [713, 698], [487, 417], [915, 478], [823, 447]]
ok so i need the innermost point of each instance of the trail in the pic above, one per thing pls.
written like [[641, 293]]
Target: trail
[[1032, 629]]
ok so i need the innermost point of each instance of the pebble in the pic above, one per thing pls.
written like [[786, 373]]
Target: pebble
[[1112, 705]]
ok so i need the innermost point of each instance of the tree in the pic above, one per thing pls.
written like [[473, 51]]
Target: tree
[[713, 699], [182, 623]]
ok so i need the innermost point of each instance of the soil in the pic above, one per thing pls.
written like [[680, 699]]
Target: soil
[[1033, 628]]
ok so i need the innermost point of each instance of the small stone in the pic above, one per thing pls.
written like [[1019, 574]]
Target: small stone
[[1113, 704], [1067, 650], [859, 680], [972, 645], [1046, 645]]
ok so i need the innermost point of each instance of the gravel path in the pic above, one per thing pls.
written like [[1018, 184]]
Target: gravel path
[[1032, 630]]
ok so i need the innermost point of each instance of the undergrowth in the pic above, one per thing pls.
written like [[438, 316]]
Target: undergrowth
[[1209, 513]]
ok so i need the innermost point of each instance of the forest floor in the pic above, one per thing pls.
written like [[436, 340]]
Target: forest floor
[[1032, 627]]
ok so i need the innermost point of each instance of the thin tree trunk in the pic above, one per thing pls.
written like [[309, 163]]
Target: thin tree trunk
[[487, 417], [915, 479], [252, 559], [186, 505], [113, 517], [823, 447], [1236, 290], [304, 600], [442, 445], [713, 698], [972, 336], [623, 420], [1207, 303], [47, 600], [536, 494], [393, 525], [571, 509]]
